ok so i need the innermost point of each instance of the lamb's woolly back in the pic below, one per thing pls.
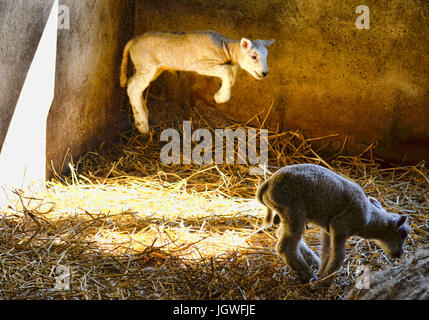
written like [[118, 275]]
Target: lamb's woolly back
[[322, 192]]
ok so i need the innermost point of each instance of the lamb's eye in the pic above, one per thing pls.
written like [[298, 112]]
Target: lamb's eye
[[254, 57]]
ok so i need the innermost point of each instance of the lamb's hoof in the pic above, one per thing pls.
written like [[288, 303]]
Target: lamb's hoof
[[143, 129], [325, 280], [307, 278], [218, 98], [313, 281], [219, 101], [314, 262]]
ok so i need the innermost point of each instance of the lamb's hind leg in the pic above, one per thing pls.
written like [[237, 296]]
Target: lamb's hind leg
[[136, 85], [288, 245]]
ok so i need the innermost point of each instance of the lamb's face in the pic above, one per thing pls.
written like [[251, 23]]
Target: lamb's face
[[253, 57], [395, 237]]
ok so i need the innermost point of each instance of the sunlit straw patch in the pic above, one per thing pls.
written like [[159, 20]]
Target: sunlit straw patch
[[129, 227]]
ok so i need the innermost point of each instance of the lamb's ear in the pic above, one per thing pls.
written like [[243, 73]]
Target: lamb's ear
[[375, 202], [267, 43], [401, 221], [246, 44]]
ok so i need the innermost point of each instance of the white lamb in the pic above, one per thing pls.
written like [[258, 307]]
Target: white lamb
[[205, 52]]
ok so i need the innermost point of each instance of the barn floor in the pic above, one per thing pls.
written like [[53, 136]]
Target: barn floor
[[128, 227]]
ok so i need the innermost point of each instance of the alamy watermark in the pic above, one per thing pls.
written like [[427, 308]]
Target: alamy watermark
[[63, 17], [363, 278], [179, 150], [362, 22], [62, 280]]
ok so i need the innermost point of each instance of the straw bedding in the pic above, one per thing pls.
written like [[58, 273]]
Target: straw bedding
[[406, 281], [129, 227]]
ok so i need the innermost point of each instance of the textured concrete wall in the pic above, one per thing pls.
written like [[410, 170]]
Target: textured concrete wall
[[21, 26], [89, 106], [326, 76]]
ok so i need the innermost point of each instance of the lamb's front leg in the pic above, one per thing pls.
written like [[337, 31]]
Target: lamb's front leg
[[226, 74], [325, 252], [337, 254], [234, 69], [228, 79]]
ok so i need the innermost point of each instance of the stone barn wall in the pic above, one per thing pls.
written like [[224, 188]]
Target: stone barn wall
[[326, 76], [89, 105], [21, 26]]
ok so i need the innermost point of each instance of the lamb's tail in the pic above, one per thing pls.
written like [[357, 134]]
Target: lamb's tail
[[260, 192], [268, 221], [124, 65]]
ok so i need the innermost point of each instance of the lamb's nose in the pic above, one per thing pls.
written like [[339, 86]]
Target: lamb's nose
[[264, 74]]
